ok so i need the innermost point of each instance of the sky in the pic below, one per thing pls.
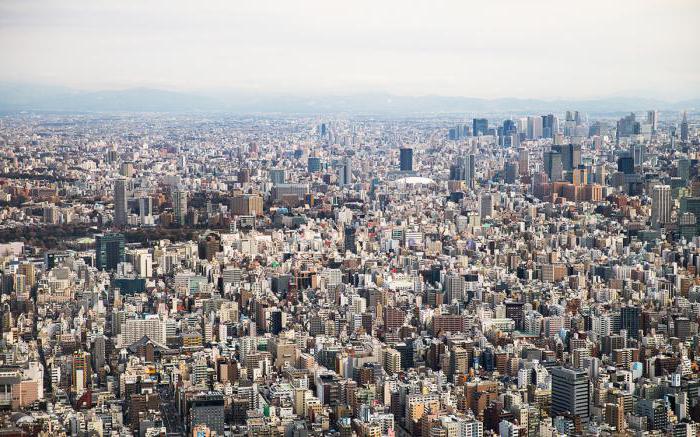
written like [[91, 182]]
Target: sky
[[544, 49]]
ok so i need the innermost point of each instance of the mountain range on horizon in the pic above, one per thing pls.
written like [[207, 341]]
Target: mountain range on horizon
[[24, 97]]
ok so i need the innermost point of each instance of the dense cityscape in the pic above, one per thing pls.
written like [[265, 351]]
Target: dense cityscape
[[376, 218], [216, 275]]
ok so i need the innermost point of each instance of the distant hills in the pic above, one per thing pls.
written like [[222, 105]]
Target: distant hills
[[23, 97]]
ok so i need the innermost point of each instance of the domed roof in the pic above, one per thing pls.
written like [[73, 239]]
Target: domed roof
[[414, 180]]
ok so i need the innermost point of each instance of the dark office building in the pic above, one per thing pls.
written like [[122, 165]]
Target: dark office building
[[553, 165], [508, 134], [570, 393], [570, 155], [406, 159], [511, 171], [314, 164], [514, 311], [629, 320], [209, 246], [208, 409], [406, 351], [109, 251], [549, 126], [280, 285], [53, 259], [276, 322], [480, 126], [625, 164], [684, 128], [350, 242], [612, 342]]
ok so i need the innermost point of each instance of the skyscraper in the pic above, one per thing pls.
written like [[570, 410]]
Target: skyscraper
[[630, 320], [550, 126], [486, 207], [684, 128], [661, 205], [345, 172], [552, 165], [120, 202], [625, 164], [469, 168], [570, 155], [350, 241], [524, 162], [278, 176], [145, 208], [314, 164], [208, 409], [627, 126], [180, 206], [534, 127], [480, 126], [509, 134], [406, 159], [653, 119], [638, 154], [511, 172], [81, 371], [570, 393], [464, 170], [109, 251]]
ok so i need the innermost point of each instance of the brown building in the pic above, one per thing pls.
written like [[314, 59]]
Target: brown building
[[246, 204]]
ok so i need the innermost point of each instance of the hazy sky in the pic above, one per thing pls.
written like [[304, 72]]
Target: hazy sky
[[485, 48]]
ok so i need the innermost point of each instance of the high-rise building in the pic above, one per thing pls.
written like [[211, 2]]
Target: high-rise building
[[81, 371], [464, 170], [126, 169], [120, 207], [406, 159], [480, 126], [134, 330], [314, 164], [109, 251], [627, 126], [638, 154], [98, 351], [208, 409], [350, 242], [345, 172], [656, 412], [278, 176], [550, 126], [630, 320], [653, 119], [145, 208], [247, 204], [534, 128], [524, 162], [684, 169], [570, 155], [511, 172], [180, 206], [570, 393], [392, 361], [625, 164], [661, 205], [684, 128], [508, 134], [486, 208], [553, 165]]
